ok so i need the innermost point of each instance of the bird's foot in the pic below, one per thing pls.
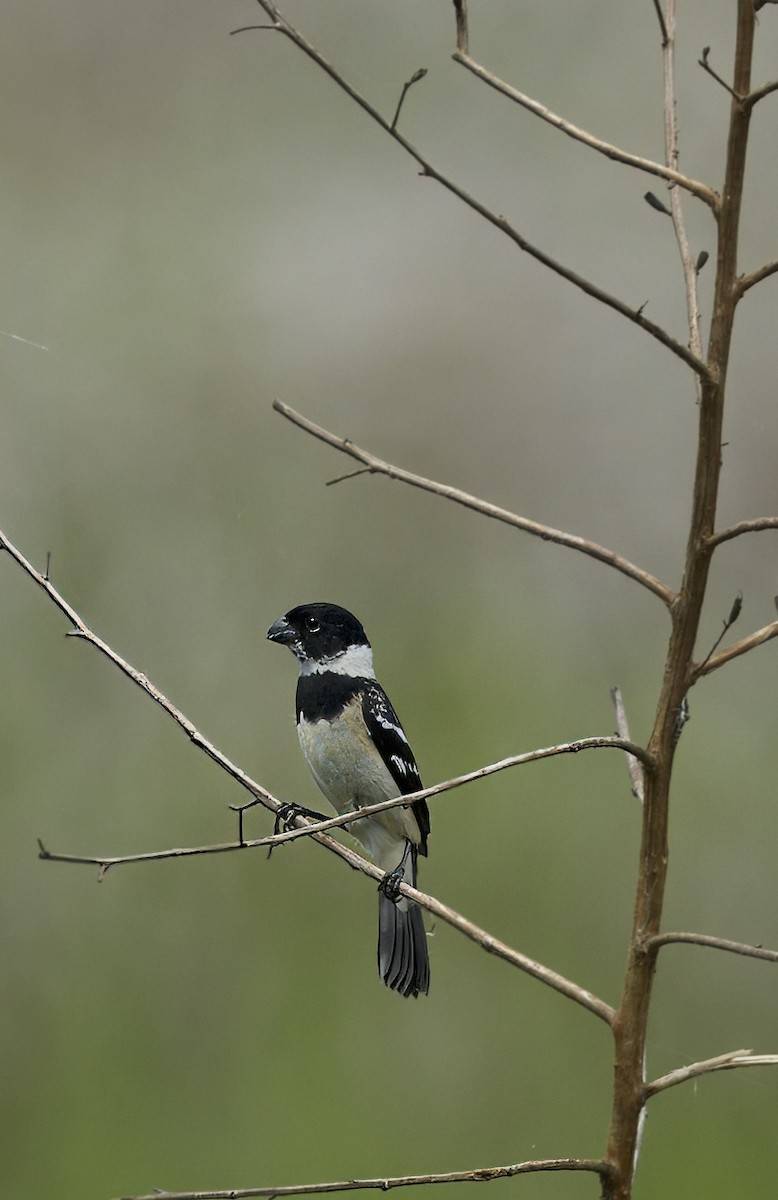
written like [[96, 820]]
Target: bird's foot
[[390, 884], [287, 814]]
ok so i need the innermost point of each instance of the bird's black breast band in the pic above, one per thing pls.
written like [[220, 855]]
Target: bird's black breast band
[[322, 696]]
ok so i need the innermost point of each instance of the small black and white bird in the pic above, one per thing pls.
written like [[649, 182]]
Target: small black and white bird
[[358, 754]]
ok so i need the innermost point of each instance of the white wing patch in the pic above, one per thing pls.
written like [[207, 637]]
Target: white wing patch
[[402, 764], [387, 724]]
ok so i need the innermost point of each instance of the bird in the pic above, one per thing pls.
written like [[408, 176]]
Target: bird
[[358, 754]]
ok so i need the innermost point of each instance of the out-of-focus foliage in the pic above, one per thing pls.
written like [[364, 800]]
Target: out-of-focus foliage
[[193, 223]]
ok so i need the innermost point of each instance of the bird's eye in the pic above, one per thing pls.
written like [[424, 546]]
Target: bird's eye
[[312, 625]]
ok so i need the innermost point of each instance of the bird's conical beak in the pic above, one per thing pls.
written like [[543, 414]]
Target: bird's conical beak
[[281, 631]]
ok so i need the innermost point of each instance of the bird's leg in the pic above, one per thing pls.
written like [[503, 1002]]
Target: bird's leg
[[390, 884]]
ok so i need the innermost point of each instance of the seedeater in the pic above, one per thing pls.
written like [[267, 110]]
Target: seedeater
[[358, 754]]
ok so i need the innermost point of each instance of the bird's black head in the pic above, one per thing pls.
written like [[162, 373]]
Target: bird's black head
[[318, 633]]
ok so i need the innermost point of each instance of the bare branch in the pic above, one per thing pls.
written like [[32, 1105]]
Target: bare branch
[[82, 631], [106, 861], [748, 281], [669, 172], [722, 1062], [752, 526], [765, 634], [486, 941], [714, 943], [633, 761], [635, 752], [759, 93], [688, 261], [546, 532], [308, 828], [479, 1175], [636, 316], [463, 38]]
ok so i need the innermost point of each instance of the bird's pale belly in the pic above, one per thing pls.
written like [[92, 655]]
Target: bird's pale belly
[[350, 774]]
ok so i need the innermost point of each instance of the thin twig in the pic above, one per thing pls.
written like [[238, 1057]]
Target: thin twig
[[635, 315], [479, 1175], [311, 828], [752, 526], [463, 37], [489, 943], [662, 23], [82, 631], [546, 532], [745, 282], [415, 77], [722, 1062], [669, 172], [637, 753], [765, 634], [688, 261], [759, 93], [702, 61], [714, 943], [634, 765], [734, 613]]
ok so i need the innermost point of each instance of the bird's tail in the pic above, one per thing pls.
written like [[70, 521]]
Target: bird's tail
[[403, 960]]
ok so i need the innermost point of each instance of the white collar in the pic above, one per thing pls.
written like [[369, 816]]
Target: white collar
[[354, 660]]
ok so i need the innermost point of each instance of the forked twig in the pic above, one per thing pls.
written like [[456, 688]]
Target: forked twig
[[308, 828], [765, 634], [487, 942], [668, 172], [634, 315]]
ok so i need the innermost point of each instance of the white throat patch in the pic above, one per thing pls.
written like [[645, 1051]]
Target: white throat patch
[[354, 660]]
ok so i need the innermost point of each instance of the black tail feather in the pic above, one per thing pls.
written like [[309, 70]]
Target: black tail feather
[[403, 958]]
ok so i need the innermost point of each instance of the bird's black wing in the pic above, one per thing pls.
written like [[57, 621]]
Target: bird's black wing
[[389, 739]]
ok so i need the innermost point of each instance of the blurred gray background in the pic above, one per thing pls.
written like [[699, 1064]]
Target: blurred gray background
[[193, 224]]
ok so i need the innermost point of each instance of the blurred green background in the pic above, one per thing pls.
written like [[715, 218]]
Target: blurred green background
[[193, 224]]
